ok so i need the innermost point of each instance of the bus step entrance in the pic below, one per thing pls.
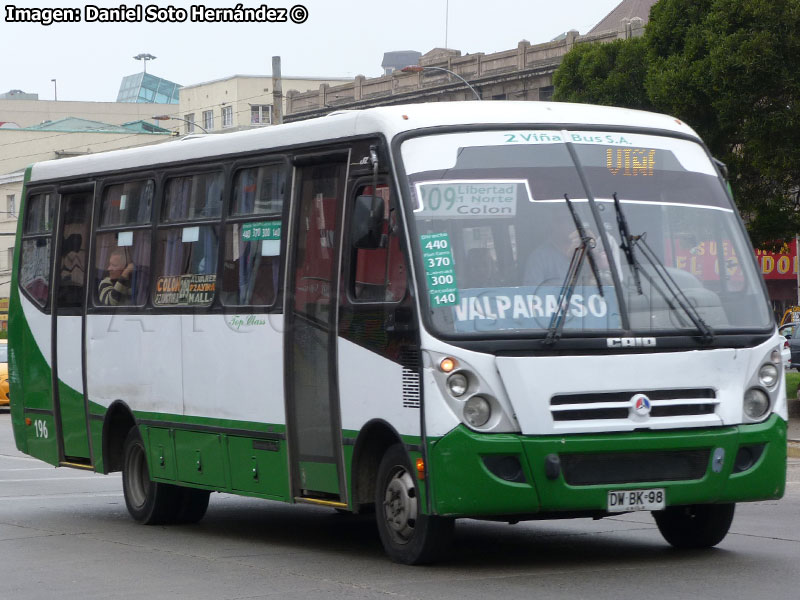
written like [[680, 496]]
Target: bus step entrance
[[76, 463], [320, 502]]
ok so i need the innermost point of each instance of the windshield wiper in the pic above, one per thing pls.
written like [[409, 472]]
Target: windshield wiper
[[625, 244], [673, 290], [568, 288]]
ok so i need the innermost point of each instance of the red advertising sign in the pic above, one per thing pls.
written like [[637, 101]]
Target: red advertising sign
[[703, 260], [779, 265]]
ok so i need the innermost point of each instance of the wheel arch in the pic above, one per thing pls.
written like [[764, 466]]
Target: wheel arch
[[119, 420], [375, 437]]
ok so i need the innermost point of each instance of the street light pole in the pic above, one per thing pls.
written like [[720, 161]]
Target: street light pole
[[418, 69], [144, 56], [55, 90], [168, 118]]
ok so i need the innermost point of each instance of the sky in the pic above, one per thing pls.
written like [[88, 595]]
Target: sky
[[339, 38]]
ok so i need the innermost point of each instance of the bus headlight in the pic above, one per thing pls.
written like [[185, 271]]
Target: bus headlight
[[477, 411], [768, 375], [756, 404], [457, 383]]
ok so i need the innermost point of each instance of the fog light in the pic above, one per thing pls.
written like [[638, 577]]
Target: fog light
[[775, 357], [457, 383], [756, 404], [477, 411], [746, 457], [768, 375], [505, 467]]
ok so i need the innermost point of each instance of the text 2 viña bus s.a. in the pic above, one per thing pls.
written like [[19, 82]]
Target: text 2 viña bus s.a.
[[488, 310]]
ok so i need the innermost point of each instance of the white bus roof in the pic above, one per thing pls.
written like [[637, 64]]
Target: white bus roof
[[390, 121]]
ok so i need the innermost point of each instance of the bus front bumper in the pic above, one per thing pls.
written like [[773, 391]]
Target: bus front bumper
[[498, 475]]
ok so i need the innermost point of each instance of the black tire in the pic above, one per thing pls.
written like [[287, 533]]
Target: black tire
[[193, 504], [695, 526], [408, 536], [148, 502]]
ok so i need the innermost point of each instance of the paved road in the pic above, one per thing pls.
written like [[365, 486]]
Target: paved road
[[66, 534]]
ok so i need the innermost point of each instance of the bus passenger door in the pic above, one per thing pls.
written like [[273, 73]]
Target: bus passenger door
[[312, 399], [70, 279]]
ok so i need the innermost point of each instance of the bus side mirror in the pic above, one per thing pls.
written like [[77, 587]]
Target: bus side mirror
[[723, 168], [366, 226]]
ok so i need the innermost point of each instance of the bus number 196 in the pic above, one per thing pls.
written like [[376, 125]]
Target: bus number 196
[[41, 428]]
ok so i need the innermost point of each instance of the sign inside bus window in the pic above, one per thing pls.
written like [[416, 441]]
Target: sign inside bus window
[[185, 290], [263, 230], [478, 198], [494, 309], [439, 269]]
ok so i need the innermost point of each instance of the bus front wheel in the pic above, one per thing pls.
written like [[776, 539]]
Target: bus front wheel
[[695, 526], [148, 502], [408, 536]]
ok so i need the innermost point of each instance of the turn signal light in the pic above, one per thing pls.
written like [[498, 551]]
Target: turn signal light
[[447, 365], [420, 469], [28, 421]]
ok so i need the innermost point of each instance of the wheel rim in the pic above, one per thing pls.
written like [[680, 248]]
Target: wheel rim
[[400, 505], [138, 478]]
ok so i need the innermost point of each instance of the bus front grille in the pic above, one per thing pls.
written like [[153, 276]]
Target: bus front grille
[[620, 405], [634, 467]]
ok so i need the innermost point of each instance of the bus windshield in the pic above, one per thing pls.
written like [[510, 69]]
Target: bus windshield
[[496, 216]]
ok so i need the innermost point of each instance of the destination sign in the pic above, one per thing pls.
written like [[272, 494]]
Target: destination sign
[[470, 198]]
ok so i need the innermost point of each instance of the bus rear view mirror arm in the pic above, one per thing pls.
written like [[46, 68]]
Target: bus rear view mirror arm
[[366, 228]]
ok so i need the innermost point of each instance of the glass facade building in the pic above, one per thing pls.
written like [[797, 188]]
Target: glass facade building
[[144, 88]]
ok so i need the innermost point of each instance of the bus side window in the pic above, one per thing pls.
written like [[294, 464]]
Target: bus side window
[[186, 247], [380, 274], [122, 248], [253, 240], [34, 271]]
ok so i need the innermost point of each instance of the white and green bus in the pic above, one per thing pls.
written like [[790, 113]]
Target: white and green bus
[[491, 310]]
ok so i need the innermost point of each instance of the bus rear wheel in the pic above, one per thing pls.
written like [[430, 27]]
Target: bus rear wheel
[[407, 535], [695, 526], [193, 504], [148, 502]]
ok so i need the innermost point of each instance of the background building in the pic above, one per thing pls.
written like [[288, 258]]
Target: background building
[[236, 102], [521, 73], [148, 89]]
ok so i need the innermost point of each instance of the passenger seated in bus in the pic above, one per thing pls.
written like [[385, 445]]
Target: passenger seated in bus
[[115, 288], [70, 290], [72, 261]]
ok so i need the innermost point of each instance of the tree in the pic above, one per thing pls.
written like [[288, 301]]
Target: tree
[[611, 74], [730, 69], [733, 72]]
